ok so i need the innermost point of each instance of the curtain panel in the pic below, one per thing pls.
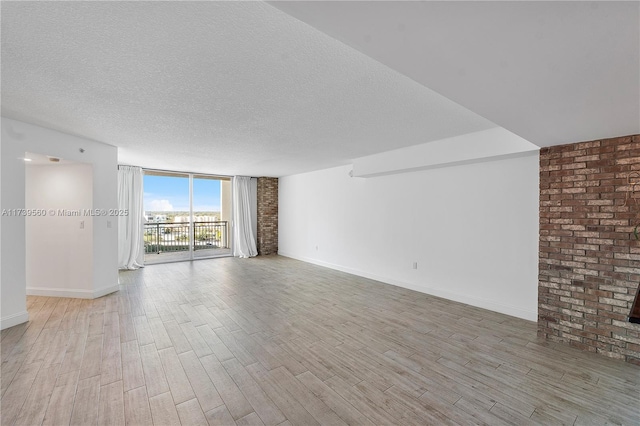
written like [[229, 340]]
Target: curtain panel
[[131, 226], [243, 233]]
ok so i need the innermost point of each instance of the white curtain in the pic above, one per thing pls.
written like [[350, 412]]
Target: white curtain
[[243, 235], [130, 227]]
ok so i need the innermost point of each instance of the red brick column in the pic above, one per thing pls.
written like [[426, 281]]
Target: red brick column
[[267, 216], [589, 262]]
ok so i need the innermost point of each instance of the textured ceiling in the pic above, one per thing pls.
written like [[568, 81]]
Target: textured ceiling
[[219, 87], [551, 72]]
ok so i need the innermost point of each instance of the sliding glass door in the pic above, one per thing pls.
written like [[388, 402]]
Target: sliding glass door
[[187, 216], [211, 217]]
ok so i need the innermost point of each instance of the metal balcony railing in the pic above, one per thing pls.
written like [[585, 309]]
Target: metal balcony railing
[[174, 237]]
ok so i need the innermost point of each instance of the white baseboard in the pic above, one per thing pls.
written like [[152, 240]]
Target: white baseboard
[[15, 319], [72, 293], [59, 292], [105, 291], [456, 297]]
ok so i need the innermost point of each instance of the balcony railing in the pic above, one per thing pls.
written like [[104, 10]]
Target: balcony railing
[[174, 237]]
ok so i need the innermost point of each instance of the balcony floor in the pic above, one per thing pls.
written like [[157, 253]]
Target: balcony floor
[[177, 256]]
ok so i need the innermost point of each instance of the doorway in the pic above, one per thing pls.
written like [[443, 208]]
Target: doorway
[[58, 230]]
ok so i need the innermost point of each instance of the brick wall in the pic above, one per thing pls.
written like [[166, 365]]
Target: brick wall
[[589, 258], [267, 216]]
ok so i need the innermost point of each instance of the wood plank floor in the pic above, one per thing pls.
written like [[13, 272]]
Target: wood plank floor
[[275, 341]]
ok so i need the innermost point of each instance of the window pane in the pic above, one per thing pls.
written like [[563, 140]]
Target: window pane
[[166, 206]]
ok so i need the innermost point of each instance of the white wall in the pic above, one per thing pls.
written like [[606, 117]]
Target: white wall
[[59, 248], [472, 229], [18, 138]]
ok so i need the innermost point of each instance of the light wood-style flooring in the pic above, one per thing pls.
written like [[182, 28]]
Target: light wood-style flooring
[[275, 341]]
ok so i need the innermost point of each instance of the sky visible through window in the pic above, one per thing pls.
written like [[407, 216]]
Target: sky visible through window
[[171, 194]]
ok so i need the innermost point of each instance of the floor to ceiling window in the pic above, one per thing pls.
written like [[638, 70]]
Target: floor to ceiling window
[[187, 216]]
